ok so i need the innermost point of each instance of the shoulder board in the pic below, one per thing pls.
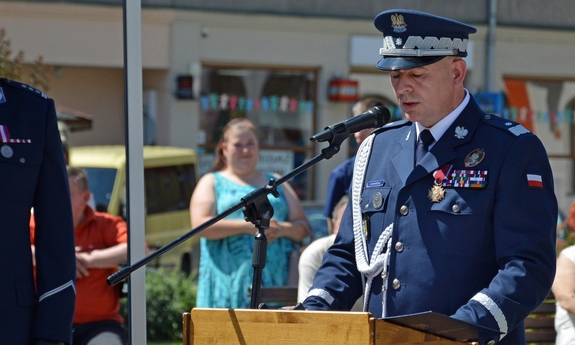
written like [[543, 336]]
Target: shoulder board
[[391, 125], [24, 87], [508, 126]]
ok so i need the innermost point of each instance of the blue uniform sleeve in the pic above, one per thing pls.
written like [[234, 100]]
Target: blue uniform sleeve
[[54, 240], [337, 284], [524, 217]]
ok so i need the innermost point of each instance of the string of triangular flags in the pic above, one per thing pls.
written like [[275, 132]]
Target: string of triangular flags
[[285, 104], [274, 103]]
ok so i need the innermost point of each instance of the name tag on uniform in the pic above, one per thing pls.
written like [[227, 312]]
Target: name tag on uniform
[[378, 183]]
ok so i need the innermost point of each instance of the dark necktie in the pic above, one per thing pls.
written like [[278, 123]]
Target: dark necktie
[[425, 139]]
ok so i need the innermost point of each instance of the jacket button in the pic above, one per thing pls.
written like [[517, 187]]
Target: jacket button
[[399, 247], [491, 342], [404, 210], [396, 284], [455, 208]]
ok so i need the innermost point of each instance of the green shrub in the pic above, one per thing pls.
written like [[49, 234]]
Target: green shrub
[[168, 295]]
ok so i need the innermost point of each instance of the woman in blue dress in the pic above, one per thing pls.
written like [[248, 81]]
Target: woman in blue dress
[[226, 272]]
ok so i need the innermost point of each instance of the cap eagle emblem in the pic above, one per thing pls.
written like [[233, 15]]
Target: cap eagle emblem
[[398, 23]]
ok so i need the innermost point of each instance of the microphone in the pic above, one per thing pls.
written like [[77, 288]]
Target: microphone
[[375, 117]]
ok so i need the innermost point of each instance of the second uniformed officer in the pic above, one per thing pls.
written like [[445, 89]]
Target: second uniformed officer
[[452, 210], [34, 176]]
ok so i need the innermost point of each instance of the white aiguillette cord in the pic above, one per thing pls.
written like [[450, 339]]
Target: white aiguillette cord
[[379, 257]]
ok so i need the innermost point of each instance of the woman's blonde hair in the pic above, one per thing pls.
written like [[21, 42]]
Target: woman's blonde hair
[[240, 123]]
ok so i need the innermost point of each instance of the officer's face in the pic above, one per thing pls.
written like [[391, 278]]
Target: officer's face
[[429, 93]]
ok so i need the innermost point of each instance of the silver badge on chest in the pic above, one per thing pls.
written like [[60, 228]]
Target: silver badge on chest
[[6, 151], [377, 200]]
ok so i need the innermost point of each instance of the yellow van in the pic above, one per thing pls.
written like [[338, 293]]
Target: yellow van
[[169, 180]]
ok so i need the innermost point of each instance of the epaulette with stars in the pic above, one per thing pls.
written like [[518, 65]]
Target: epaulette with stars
[[25, 87], [511, 127]]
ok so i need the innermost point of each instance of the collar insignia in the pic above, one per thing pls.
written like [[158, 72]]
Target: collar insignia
[[460, 132]]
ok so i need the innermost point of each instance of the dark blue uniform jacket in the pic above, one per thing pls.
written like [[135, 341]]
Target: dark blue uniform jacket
[[33, 175], [482, 255]]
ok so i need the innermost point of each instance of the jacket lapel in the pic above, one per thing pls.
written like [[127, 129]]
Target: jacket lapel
[[404, 157], [459, 133]]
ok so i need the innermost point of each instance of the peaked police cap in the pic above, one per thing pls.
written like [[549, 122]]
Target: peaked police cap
[[413, 38]]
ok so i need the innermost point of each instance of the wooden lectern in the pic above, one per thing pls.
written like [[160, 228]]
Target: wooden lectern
[[265, 327]]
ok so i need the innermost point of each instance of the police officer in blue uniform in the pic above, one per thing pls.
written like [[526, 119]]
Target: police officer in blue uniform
[[34, 311], [467, 229]]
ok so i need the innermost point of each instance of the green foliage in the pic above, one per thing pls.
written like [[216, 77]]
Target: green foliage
[[11, 66], [168, 295]]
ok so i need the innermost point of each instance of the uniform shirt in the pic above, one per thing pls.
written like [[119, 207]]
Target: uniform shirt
[[338, 185]]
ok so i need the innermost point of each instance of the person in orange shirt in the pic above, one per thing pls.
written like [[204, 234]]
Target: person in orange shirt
[[101, 246]]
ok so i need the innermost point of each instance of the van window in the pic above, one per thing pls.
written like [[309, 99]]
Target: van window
[[169, 188], [101, 181]]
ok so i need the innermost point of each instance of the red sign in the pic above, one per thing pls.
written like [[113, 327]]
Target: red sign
[[341, 90], [184, 89]]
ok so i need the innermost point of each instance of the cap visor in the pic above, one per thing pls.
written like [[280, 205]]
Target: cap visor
[[398, 63]]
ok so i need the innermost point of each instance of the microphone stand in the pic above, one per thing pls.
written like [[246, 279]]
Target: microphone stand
[[257, 210]]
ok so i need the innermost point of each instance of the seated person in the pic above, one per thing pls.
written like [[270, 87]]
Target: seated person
[[101, 246], [312, 256], [564, 288]]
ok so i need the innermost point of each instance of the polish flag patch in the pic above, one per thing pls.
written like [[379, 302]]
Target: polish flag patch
[[534, 181]]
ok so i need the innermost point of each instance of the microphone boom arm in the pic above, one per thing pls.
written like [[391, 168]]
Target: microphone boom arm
[[253, 204]]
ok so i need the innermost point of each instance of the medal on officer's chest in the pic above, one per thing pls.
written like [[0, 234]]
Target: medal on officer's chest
[[437, 192], [365, 227], [6, 151]]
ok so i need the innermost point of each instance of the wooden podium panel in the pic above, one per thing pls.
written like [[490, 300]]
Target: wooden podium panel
[[282, 327]]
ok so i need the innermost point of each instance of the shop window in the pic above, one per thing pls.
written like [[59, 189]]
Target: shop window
[[279, 101]]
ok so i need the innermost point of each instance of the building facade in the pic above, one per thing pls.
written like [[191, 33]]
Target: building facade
[[207, 62]]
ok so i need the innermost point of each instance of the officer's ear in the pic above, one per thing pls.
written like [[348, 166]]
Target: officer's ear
[[86, 195], [459, 70]]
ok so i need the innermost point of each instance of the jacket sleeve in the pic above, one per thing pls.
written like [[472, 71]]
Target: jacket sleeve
[[525, 218], [54, 240], [337, 284]]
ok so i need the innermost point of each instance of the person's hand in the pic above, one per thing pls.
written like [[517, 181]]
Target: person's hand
[[273, 232], [82, 264], [298, 306]]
